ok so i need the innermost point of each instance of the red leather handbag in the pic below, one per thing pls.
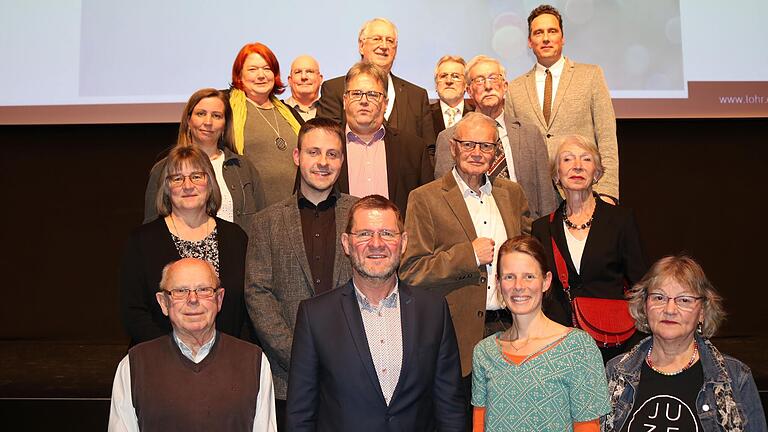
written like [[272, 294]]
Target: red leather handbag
[[607, 320]]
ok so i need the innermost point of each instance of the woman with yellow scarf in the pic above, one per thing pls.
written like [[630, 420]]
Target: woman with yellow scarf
[[265, 128]]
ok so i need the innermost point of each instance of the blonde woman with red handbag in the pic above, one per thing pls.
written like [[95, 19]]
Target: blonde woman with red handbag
[[593, 245]]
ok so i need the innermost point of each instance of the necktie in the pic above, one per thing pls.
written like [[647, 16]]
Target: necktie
[[547, 108], [452, 112], [499, 166]]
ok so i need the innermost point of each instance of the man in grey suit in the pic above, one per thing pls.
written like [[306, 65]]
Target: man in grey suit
[[294, 251], [562, 97], [522, 155]]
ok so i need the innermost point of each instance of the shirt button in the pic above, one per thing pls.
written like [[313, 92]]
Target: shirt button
[[317, 235], [705, 407], [317, 281]]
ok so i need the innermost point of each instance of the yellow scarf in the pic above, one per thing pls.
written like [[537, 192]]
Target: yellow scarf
[[240, 112]]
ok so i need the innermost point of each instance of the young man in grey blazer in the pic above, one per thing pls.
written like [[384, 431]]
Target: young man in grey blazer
[[294, 251]]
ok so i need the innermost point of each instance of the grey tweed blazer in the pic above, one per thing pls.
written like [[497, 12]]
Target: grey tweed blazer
[[278, 278]]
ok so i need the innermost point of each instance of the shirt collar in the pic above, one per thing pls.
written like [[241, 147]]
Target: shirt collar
[[556, 69], [377, 136], [389, 302], [500, 121], [201, 353], [466, 191], [444, 106], [327, 203], [293, 103]]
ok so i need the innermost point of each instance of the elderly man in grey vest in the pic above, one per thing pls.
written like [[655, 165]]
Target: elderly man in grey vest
[[194, 378]]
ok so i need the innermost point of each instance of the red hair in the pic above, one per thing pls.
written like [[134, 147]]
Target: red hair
[[267, 55]]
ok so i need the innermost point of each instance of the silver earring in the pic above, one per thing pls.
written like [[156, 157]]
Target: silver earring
[[699, 328]]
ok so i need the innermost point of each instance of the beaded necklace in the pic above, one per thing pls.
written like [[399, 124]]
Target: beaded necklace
[[686, 367]]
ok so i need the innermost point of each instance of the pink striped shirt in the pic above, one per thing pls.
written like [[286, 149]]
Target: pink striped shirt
[[367, 165]]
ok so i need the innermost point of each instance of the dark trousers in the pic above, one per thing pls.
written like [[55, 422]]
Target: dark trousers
[[280, 415]]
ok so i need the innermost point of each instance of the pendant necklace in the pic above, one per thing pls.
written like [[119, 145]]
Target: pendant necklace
[[279, 141]]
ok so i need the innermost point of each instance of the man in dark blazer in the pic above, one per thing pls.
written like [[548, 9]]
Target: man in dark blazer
[[408, 108], [375, 151], [294, 251], [521, 142], [450, 84], [375, 354]]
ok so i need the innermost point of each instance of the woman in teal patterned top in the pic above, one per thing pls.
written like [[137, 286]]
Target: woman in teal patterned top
[[538, 375]]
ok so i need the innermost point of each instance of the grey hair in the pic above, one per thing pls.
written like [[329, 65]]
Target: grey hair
[[584, 144], [483, 59], [688, 273]]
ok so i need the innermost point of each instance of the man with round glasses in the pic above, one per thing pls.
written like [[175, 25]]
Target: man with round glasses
[[522, 154], [406, 108], [380, 159], [195, 378], [455, 226]]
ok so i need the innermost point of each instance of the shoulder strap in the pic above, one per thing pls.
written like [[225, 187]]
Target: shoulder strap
[[561, 267]]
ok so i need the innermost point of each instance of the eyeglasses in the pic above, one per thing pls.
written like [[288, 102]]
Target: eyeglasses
[[468, 146], [683, 302], [370, 95], [365, 236], [492, 78], [379, 40], [455, 77], [198, 177], [183, 293]]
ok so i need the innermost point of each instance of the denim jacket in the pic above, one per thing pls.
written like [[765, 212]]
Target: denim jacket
[[715, 402]]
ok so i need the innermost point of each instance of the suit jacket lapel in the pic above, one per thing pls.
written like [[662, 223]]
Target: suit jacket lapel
[[533, 96], [452, 196], [562, 87], [400, 102], [409, 323], [596, 236], [513, 136], [392, 147], [343, 180], [351, 311], [291, 220], [501, 196], [342, 210]]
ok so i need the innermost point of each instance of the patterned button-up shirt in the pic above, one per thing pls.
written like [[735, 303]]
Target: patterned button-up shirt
[[384, 332]]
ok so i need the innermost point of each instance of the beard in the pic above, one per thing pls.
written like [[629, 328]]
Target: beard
[[367, 272]]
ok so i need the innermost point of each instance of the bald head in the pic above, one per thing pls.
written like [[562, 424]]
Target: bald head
[[305, 79]]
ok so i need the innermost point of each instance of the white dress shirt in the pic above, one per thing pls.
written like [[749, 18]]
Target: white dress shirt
[[556, 70], [488, 223], [502, 127], [390, 97], [227, 209], [122, 414]]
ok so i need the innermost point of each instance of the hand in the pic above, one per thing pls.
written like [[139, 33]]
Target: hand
[[483, 247]]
